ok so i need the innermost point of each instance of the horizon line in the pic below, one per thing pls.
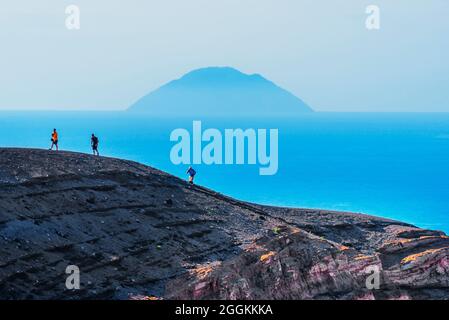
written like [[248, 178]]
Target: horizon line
[[159, 114]]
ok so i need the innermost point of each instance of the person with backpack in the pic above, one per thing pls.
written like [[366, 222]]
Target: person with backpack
[[94, 143], [191, 172], [54, 140]]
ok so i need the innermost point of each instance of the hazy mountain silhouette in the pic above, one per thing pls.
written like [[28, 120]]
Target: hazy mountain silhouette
[[220, 91]]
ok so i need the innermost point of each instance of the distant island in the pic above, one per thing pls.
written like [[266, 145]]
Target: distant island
[[220, 91]]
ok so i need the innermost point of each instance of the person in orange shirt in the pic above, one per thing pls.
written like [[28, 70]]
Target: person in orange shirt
[[54, 140]]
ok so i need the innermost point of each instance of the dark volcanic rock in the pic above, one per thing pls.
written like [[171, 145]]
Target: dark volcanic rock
[[136, 231]]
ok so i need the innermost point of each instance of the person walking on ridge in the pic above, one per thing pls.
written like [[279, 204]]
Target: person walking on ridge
[[191, 172], [94, 143], [54, 140]]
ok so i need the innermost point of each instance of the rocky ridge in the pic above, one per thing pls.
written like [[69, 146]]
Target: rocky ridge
[[135, 231]]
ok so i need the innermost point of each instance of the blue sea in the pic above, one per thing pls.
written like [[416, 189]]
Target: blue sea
[[394, 165]]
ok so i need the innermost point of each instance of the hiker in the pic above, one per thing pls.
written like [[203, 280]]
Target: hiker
[[191, 172], [54, 140], [94, 143]]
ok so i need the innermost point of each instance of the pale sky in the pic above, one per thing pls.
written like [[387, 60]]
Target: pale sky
[[320, 50]]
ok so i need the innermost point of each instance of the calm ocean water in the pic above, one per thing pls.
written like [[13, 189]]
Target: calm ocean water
[[390, 165]]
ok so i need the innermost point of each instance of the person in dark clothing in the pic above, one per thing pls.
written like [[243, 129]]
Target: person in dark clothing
[[191, 172], [94, 143]]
